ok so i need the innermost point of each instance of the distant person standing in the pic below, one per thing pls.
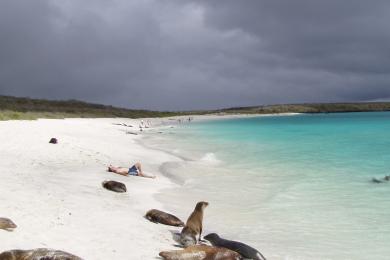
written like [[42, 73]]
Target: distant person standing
[[141, 125]]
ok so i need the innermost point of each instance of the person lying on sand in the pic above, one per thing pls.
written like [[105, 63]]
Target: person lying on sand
[[134, 170]]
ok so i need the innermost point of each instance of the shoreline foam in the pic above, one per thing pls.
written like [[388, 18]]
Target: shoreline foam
[[54, 193]]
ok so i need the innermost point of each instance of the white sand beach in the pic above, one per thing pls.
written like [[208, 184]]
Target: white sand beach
[[53, 192]]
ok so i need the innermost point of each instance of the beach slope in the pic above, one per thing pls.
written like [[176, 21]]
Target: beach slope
[[53, 192]]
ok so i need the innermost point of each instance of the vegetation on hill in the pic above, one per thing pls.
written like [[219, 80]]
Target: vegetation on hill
[[12, 108], [27, 108], [312, 108]]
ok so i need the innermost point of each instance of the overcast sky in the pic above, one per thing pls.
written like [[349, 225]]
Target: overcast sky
[[183, 54]]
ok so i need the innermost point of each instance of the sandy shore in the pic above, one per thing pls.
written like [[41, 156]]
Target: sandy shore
[[54, 193]]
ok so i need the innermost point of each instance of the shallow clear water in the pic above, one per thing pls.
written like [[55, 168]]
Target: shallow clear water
[[295, 187]]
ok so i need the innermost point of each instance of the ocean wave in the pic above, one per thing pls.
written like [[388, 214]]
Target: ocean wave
[[210, 158]]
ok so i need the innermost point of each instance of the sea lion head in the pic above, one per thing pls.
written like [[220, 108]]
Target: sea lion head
[[7, 224], [201, 205], [212, 237]]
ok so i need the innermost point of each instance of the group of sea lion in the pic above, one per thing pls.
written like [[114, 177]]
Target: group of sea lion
[[34, 254], [43, 253], [190, 236]]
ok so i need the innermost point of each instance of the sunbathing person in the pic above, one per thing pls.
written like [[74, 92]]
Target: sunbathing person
[[134, 170]]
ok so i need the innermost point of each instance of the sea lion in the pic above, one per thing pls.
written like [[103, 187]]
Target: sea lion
[[375, 180], [241, 248], [37, 254], [158, 216], [201, 252], [53, 140], [386, 178], [193, 225], [114, 186], [7, 224]]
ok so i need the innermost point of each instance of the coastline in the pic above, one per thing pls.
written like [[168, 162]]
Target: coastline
[[274, 213], [54, 193]]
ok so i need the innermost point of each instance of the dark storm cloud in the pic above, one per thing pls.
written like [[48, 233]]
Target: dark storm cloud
[[183, 54]]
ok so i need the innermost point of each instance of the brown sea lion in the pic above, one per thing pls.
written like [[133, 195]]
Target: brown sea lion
[[246, 251], [201, 252], [7, 224], [158, 216], [114, 186], [37, 254], [193, 225]]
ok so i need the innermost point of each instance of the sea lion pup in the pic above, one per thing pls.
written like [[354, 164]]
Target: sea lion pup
[[193, 225], [201, 252], [7, 224], [158, 216], [241, 248], [114, 186], [37, 254]]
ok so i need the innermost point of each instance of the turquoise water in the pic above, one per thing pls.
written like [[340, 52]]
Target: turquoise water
[[295, 187]]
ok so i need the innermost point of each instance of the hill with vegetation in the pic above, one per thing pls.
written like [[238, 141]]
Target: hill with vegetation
[[312, 108], [12, 108]]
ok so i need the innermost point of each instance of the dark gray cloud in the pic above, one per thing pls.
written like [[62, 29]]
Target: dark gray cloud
[[183, 54]]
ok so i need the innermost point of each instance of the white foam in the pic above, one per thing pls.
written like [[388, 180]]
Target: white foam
[[210, 158]]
